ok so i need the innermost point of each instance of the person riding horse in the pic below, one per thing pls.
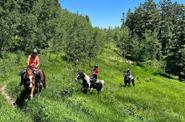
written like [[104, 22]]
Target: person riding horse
[[128, 78], [87, 85], [95, 73], [129, 75], [33, 63]]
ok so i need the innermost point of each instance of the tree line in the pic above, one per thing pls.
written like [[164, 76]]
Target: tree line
[[154, 31], [149, 32], [43, 24]]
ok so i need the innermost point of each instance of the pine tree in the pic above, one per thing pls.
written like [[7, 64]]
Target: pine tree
[[175, 63]]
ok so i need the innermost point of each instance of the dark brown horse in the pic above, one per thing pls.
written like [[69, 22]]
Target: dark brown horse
[[31, 84]]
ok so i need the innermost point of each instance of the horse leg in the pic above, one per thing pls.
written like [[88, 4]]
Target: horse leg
[[84, 90], [133, 82], [40, 88], [98, 91], [44, 84], [28, 94], [32, 91], [90, 90], [27, 91], [125, 83], [100, 88], [129, 83]]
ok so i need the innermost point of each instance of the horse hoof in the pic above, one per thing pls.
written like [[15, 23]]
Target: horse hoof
[[31, 97]]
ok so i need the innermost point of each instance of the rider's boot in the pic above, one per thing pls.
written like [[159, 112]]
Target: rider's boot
[[40, 82], [38, 77]]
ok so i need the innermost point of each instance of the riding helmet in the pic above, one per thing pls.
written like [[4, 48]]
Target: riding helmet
[[34, 51]]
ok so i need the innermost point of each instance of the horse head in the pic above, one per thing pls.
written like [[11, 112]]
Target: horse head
[[85, 80], [31, 77], [80, 76], [30, 82]]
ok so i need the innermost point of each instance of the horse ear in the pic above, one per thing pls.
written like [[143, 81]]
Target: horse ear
[[80, 73]]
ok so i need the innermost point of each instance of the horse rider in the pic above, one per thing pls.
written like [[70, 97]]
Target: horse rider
[[95, 73], [77, 61], [129, 75], [33, 63]]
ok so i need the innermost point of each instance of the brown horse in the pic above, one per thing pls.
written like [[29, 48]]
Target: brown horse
[[30, 82]]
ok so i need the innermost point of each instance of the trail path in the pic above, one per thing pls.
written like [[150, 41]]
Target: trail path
[[5, 94]]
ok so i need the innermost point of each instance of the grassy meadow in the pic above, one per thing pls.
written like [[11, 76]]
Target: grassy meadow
[[153, 99]]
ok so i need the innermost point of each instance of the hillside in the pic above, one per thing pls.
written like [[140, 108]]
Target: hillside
[[154, 98]]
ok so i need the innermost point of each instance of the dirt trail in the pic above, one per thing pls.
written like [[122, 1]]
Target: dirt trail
[[5, 94]]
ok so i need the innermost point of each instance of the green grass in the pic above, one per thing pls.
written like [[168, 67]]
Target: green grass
[[9, 114], [153, 99]]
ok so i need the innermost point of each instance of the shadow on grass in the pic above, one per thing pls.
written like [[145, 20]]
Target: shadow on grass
[[21, 100], [123, 85], [165, 75]]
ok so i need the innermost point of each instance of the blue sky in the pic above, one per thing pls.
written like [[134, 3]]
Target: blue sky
[[103, 13]]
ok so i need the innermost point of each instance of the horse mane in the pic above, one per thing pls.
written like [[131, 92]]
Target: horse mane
[[29, 72], [86, 77]]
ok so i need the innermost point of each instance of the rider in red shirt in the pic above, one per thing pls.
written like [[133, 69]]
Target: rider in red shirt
[[95, 71], [33, 62]]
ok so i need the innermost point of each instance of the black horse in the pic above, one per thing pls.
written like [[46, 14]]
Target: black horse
[[87, 85], [128, 80]]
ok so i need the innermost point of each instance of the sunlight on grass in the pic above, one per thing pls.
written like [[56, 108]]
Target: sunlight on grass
[[154, 98]]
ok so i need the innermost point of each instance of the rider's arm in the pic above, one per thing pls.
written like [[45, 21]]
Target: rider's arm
[[97, 71], [38, 61]]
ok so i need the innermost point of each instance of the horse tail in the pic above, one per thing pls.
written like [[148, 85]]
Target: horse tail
[[102, 82]]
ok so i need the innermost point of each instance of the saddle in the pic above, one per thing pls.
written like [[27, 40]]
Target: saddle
[[129, 77], [36, 73], [93, 80]]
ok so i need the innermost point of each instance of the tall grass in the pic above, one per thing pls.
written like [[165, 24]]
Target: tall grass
[[153, 99]]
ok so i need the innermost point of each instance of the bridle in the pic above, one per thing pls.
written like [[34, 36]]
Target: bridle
[[31, 77]]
